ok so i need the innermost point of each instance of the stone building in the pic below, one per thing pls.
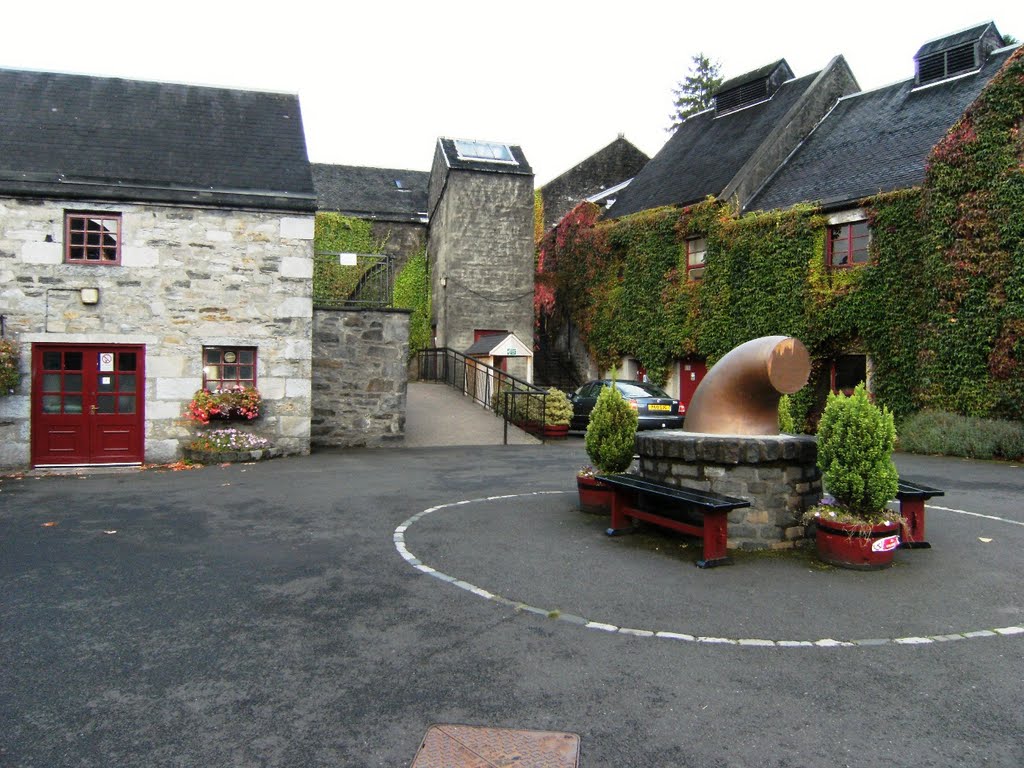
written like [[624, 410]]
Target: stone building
[[599, 178], [772, 141], [154, 239], [480, 244]]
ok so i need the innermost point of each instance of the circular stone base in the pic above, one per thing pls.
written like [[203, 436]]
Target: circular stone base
[[777, 474]]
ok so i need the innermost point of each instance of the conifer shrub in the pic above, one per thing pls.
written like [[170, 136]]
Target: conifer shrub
[[611, 434], [856, 439], [557, 408]]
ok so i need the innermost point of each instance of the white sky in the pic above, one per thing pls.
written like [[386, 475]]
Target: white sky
[[379, 81]]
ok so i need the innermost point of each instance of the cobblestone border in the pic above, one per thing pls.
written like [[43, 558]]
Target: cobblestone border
[[399, 541]]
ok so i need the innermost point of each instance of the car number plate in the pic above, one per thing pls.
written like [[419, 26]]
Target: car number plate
[[659, 407]]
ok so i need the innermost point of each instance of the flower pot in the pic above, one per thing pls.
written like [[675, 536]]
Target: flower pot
[[556, 431], [595, 496], [857, 546]]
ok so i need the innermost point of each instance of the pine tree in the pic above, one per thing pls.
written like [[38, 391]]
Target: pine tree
[[693, 94]]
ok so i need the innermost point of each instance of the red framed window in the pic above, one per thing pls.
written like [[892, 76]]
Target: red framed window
[[92, 238], [226, 367], [696, 251], [848, 244]]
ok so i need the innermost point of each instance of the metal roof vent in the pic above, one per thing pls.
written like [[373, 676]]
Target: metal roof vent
[[751, 88], [956, 54]]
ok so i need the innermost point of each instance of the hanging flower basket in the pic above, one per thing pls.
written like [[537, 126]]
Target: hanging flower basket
[[242, 403]]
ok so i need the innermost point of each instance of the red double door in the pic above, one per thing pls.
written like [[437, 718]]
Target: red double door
[[88, 404]]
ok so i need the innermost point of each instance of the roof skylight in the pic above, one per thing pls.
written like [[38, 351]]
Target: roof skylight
[[487, 151]]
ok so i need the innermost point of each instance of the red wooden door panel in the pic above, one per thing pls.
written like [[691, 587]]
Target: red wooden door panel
[[87, 404], [691, 372]]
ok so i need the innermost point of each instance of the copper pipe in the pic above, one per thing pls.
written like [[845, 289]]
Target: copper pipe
[[740, 394]]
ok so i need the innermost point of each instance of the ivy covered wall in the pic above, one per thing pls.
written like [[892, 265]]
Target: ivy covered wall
[[940, 308]]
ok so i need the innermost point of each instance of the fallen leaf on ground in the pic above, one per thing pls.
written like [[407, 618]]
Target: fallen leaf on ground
[[983, 540], [50, 524]]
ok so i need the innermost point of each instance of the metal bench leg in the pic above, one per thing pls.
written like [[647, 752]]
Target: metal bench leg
[[912, 511], [716, 535]]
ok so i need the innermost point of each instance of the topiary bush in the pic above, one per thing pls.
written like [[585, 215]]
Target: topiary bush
[[557, 408], [856, 439], [611, 433]]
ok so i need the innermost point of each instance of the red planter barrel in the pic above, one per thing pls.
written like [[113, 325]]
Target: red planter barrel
[[863, 547], [595, 496], [556, 431]]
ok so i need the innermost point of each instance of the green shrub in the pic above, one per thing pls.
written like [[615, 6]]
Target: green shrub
[[855, 443], [557, 408], [949, 434], [611, 434], [412, 291], [786, 423]]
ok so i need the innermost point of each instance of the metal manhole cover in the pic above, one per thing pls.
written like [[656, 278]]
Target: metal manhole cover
[[467, 746]]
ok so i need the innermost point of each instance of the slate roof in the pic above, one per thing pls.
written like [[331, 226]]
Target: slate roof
[[872, 142], [451, 156], [485, 344], [705, 153], [100, 138], [383, 194]]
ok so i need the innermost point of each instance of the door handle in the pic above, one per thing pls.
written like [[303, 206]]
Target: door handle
[[92, 410]]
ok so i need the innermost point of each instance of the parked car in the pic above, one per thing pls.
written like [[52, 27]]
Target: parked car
[[655, 408]]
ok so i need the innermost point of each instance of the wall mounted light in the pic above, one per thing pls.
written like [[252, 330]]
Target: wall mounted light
[[90, 295]]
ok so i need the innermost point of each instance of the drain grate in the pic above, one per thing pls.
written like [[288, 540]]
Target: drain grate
[[467, 746]]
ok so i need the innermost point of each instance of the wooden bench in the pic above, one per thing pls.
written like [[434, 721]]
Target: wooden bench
[[912, 496], [674, 508]]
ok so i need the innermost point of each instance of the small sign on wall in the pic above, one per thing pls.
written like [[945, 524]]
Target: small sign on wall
[[106, 361]]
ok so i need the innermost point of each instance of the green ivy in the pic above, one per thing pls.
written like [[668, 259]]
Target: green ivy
[[412, 291], [940, 307], [332, 282]]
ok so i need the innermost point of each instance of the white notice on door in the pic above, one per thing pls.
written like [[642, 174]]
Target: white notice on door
[[106, 361]]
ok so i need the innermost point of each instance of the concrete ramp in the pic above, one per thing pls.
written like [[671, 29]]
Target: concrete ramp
[[438, 415]]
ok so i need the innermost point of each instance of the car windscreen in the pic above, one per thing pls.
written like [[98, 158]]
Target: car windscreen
[[638, 389]]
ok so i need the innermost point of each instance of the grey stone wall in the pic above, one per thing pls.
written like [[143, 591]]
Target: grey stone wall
[[188, 278], [401, 239], [607, 167], [480, 247], [360, 377], [777, 474]]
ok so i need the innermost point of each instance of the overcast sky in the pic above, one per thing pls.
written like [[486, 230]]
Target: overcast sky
[[380, 81]]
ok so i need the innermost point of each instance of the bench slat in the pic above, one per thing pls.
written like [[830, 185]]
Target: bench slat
[[690, 496]]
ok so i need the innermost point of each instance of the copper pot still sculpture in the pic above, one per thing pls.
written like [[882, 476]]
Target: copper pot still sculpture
[[740, 394]]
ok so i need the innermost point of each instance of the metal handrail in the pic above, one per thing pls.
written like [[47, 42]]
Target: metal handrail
[[513, 399]]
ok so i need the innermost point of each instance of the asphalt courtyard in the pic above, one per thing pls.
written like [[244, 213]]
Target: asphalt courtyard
[[327, 610]]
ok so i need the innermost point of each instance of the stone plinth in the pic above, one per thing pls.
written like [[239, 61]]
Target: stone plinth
[[778, 474]]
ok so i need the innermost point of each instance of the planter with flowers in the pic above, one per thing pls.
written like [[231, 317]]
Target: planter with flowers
[[237, 402], [610, 443], [9, 376], [219, 446], [854, 526]]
